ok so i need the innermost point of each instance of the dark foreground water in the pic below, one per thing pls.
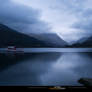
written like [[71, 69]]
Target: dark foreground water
[[45, 69]]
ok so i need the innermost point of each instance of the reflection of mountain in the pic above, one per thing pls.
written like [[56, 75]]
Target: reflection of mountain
[[12, 37], [25, 69], [8, 60], [50, 39], [84, 42]]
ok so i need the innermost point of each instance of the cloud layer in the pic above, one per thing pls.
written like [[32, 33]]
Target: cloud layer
[[70, 19], [22, 18]]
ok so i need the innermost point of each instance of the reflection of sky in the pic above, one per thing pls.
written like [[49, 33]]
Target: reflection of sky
[[45, 70], [70, 19], [68, 69]]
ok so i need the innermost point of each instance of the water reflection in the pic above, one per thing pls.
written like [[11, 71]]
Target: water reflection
[[45, 69]]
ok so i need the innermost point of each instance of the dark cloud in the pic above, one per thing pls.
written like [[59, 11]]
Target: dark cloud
[[22, 18]]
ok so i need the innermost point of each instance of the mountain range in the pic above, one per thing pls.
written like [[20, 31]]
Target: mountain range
[[50, 39], [84, 42], [10, 37]]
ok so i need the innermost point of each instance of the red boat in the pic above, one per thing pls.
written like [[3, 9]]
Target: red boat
[[11, 48]]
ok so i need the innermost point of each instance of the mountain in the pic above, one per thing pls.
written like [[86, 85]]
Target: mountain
[[10, 37], [84, 42], [50, 39]]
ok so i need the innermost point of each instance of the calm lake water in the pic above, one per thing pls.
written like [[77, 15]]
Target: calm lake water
[[45, 68]]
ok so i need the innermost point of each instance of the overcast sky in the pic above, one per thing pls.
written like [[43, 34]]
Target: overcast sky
[[70, 19]]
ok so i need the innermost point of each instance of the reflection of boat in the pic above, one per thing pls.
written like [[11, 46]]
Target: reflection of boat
[[14, 49]]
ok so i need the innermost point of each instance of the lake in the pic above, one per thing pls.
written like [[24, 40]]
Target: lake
[[52, 67]]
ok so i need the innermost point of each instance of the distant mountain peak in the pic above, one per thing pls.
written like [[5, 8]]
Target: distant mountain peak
[[84, 42], [50, 38]]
